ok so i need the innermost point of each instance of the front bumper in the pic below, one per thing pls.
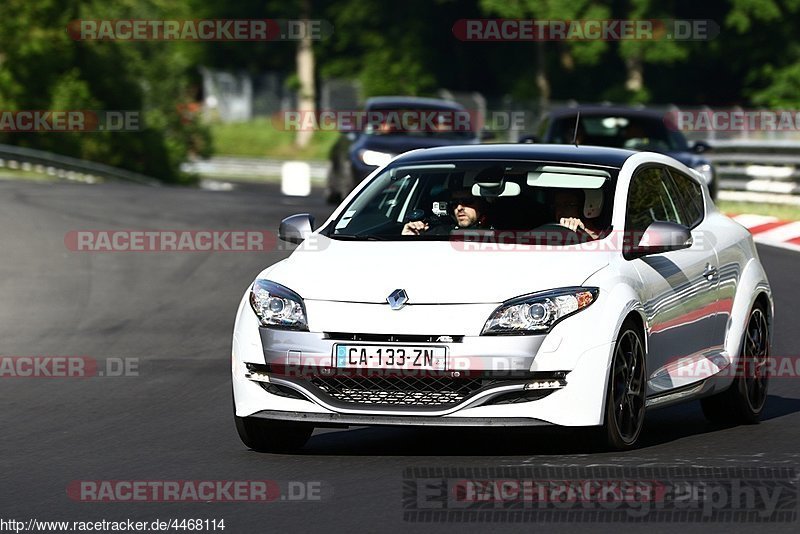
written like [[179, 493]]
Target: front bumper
[[345, 420], [280, 374]]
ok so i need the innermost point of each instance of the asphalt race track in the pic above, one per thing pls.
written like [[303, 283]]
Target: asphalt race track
[[172, 313]]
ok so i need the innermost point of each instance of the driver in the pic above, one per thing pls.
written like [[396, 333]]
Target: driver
[[567, 207], [469, 212]]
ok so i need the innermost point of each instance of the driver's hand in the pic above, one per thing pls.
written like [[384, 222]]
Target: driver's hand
[[415, 228], [573, 223]]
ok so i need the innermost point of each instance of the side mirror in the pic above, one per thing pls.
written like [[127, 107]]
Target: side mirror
[[296, 228], [486, 135], [660, 236], [700, 147], [528, 139]]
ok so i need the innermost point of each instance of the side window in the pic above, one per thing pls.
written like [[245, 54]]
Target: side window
[[691, 196], [651, 198]]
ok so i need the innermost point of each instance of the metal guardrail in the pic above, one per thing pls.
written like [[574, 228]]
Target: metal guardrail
[[765, 166], [67, 167], [757, 167], [235, 167]]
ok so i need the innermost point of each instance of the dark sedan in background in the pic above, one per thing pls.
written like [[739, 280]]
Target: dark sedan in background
[[393, 125], [624, 127]]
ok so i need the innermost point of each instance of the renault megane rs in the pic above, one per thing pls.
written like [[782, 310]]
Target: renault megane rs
[[506, 285]]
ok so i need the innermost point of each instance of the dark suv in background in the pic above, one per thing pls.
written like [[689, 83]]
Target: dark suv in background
[[358, 153], [624, 127]]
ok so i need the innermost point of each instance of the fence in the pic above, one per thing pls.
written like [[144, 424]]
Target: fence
[[66, 167], [763, 162], [757, 166]]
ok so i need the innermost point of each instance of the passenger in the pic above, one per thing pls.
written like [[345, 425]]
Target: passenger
[[568, 209]]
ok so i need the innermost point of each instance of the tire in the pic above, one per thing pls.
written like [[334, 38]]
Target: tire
[[625, 399], [744, 400], [263, 435]]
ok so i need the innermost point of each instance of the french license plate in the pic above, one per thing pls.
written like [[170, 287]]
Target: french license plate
[[393, 357]]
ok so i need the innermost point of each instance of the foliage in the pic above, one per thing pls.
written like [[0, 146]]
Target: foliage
[[260, 138], [42, 68], [391, 47]]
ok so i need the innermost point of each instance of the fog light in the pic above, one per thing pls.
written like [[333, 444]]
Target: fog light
[[545, 384], [255, 374]]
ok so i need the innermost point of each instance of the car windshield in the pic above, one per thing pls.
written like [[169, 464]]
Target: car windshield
[[420, 122], [438, 201], [619, 131]]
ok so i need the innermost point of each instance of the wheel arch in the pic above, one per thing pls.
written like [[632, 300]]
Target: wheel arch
[[635, 314], [638, 318], [753, 288]]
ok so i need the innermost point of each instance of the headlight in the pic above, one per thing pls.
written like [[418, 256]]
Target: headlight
[[278, 306], [374, 158], [539, 312], [707, 171]]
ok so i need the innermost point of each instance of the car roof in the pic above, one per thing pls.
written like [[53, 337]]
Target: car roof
[[615, 111], [380, 102], [587, 155]]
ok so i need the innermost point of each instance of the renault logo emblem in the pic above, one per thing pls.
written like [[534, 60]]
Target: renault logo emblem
[[397, 299]]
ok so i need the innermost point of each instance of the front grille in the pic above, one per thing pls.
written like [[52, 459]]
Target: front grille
[[393, 338], [399, 390]]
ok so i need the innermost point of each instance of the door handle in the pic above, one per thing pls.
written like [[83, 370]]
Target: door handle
[[710, 272]]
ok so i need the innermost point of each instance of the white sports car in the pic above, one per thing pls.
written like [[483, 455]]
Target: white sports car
[[506, 285]]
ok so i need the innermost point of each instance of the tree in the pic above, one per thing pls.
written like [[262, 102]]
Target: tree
[[42, 68], [305, 75], [638, 52], [385, 45], [584, 52], [774, 67], [277, 54]]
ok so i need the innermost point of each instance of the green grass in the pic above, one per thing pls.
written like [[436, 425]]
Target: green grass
[[787, 212], [260, 139]]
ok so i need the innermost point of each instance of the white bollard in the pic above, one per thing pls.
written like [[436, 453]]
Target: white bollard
[[296, 179]]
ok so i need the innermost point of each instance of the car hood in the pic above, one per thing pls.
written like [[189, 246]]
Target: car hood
[[396, 144], [431, 272]]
